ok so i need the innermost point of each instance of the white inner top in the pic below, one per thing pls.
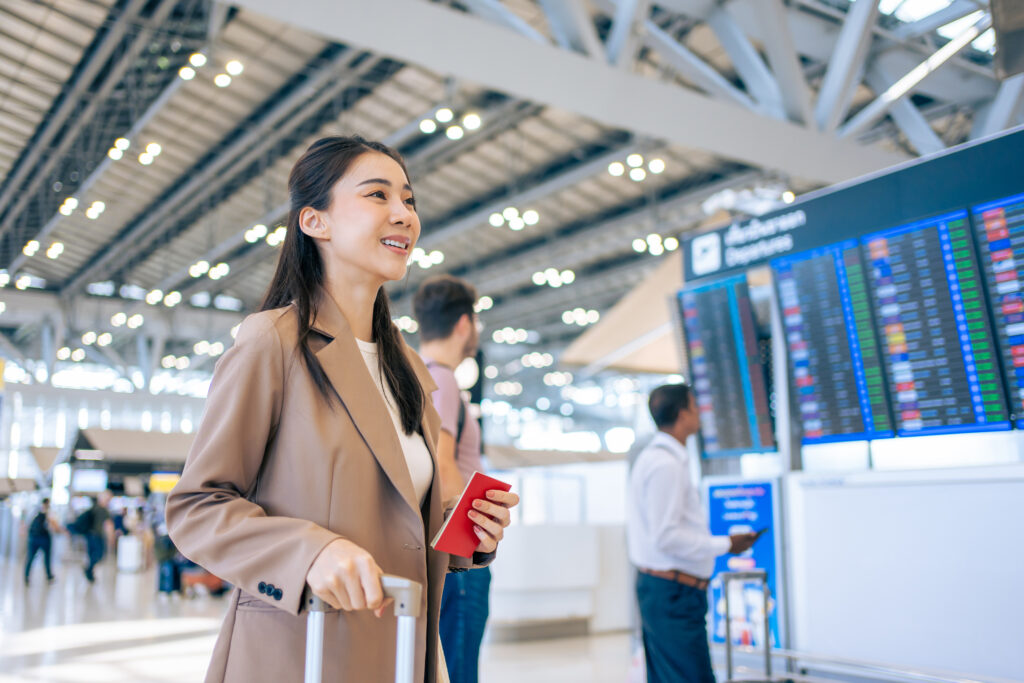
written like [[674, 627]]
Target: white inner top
[[417, 457]]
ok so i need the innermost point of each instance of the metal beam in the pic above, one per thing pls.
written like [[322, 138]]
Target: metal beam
[[242, 150], [907, 117], [10, 350], [158, 104], [846, 65], [567, 178], [494, 11], [604, 239], [898, 90], [573, 27], [79, 87], [622, 39], [96, 99], [471, 49], [1002, 112], [936, 20], [693, 68], [748, 63], [815, 27], [31, 307], [785, 62]]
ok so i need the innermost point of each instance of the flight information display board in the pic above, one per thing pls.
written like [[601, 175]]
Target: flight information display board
[[727, 376], [999, 226], [835, 366], [938, 345]]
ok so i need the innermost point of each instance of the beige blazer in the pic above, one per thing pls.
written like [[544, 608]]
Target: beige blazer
[[275, 474]]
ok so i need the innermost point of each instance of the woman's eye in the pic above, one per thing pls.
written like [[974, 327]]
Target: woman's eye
[[379, 194], [411, 202]]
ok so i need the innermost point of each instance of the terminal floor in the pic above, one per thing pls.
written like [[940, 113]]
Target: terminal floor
[[118, 631]]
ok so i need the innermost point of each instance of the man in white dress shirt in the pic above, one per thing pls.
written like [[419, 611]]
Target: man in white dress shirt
[[670, 545]]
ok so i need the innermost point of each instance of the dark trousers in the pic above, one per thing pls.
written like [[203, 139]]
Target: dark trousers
[[675, 631], [96, 547], [464, 609], [37, 543]]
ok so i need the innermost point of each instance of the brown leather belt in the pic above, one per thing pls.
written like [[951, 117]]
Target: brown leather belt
[[677, 576]]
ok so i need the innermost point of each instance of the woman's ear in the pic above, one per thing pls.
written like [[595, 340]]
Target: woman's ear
[[313, 224]]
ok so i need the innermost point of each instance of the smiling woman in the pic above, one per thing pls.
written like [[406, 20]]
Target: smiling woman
[[314, 464]]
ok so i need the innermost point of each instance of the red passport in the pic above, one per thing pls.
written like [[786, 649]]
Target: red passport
[[456, 536]]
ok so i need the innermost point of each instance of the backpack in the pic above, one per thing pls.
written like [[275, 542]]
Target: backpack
[[82, 524], [38, 526]]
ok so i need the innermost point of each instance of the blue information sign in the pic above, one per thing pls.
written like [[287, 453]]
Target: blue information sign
[[734, 508]]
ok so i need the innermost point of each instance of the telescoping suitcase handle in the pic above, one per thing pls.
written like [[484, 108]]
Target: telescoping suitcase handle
[[407, 595], [753, 575]]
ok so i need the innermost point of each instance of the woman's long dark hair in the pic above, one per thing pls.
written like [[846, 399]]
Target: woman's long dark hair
[[300, 272]]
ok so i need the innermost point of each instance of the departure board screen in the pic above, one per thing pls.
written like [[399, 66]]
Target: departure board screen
[[835, 367], [727, 376], [938, 345], [1000, 229]]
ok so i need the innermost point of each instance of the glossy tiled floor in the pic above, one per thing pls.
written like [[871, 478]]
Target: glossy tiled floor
[[118, 631]]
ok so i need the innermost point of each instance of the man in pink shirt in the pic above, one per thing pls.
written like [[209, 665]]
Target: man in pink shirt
[[449, 333]]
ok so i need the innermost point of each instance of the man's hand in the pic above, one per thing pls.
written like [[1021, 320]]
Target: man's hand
[[742, 542], [490, 517], [346, 577]]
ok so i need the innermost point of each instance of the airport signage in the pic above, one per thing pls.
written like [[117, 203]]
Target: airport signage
[[735, 507], [950, 180]]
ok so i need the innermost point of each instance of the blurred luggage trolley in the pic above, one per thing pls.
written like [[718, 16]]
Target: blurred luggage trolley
[[760, 576]]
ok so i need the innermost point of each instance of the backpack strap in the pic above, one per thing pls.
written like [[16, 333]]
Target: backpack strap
[[461, 425]]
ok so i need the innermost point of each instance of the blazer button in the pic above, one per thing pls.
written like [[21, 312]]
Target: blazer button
[[270, 589], [278, 593], [262, 587]]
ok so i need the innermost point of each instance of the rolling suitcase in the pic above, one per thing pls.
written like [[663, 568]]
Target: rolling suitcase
[[407, 595], [129, 554], [755, 575]]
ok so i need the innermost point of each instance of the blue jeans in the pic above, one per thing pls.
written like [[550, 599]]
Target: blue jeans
[[675, 631], [96, 548], [464, 608], [38, 543]]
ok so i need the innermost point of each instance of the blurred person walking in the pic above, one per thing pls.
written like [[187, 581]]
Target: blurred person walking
[[99, 533], [314, 463], [669, 544], [449, 334], [39, 540]]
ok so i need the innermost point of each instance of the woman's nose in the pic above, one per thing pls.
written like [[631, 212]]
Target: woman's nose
[[401, 213]]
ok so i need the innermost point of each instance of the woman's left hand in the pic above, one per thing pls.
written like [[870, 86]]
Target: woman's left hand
[[490, 517]]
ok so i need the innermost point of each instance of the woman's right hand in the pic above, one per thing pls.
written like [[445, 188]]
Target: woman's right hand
[[346, 577]]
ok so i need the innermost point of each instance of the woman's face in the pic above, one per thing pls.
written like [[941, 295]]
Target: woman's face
[[371, 226]]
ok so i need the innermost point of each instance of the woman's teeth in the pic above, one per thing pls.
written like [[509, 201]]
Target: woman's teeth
[[393, 243]]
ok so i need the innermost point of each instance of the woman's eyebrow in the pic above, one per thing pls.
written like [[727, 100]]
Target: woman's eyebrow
[[381, 181]]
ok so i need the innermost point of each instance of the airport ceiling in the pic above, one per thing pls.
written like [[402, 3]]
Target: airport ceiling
[[729, 104]]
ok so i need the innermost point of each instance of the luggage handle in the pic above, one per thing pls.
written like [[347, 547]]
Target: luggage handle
[[753, 575], [407, 594]]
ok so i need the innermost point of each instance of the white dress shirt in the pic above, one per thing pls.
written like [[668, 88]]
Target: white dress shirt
[[667, 527]]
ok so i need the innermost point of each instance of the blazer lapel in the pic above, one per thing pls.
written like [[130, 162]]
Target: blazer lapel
[[343, 363]]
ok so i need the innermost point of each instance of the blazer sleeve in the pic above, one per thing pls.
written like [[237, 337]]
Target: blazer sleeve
[[209, 517]]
